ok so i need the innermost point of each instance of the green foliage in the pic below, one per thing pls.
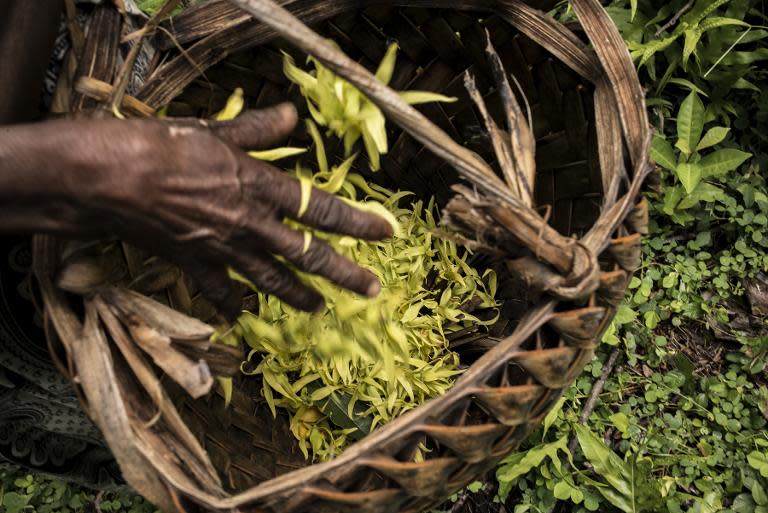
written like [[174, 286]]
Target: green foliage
[[340, 107], [39, 494], [698, 174], [680, 425], [627, 485], [150, 7]]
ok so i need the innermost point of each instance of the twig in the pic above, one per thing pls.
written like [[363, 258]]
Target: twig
[[102, 91], [729, 50], [121, 83], [673, 20], [597, 389], [463, 496], [75, 30], [97, 501]]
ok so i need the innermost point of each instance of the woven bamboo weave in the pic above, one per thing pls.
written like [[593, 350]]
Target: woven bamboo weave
[[538, 165]]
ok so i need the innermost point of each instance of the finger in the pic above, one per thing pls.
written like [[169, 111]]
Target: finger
[[324, 211], [271, 277], [217, 287], [330, 214], [259, 129], [252, 130], [316, 258]]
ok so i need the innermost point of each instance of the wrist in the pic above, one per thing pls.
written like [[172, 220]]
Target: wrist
[[41, 179]]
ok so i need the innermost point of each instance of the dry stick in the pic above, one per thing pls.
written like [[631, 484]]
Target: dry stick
[[673, 20], [75, 30], [102, 91], [125, 71], [597, 388], [463, 496], [97, 501]]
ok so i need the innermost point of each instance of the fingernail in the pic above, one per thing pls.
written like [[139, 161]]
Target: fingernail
[[289, 113], [373, 289], [385, 229]]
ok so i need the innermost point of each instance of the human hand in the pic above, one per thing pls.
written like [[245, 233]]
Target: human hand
[[185, 191]]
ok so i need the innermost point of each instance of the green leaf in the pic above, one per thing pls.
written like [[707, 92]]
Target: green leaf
[[418, 97], [743, 503], [758, 461], [718, 21], [620, 421], [552, 416], [688, 85], [15, 502], [233, 107], [475, 486], [651, 319], [562, 490], [705, 192], [714, 136], [337, 409], [317, 139], [670, 280], [692, 37], [745, 58], [226, 387], [662, 153], [624, 315], [630, 488], [305, 185], [759, 495], [689, 174], [277, 153], [646, 52], [702, 9], [721, 162], [690, 123], [520, 463], [603, 460], [387, 65]]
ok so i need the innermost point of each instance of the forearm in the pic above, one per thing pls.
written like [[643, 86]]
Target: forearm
[[37, 176]]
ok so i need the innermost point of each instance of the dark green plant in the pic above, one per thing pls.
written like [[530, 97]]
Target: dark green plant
[[680, 423]]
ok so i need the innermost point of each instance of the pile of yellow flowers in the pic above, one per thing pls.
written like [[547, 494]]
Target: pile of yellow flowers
[[362, 361]]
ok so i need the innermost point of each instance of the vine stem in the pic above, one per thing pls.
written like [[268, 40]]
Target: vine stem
[[673, 20]]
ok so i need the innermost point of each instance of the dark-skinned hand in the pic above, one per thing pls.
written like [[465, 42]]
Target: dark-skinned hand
[[184, 190]]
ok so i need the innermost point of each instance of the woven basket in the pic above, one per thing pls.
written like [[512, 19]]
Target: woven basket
[[566, 249]]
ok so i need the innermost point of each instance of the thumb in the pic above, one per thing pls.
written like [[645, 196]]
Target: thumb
[[252, 130]]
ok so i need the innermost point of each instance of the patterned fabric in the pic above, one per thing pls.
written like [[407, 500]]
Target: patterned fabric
[[42, 427]]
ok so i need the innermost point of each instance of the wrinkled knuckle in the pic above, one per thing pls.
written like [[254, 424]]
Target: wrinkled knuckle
[[332, 213], [294, 252], [319, 259]]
